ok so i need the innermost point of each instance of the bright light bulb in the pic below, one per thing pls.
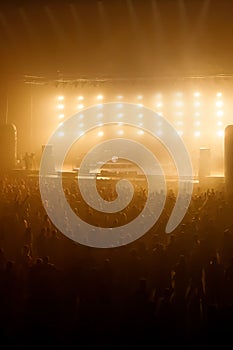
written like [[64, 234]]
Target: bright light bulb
[[197, 104], [219, 94], [179, 103], [219, 123], [100, 97], [100, 133], [220, 133], [220, 113], [139, 97], [179, 94], [60, 98], [61, 116], [140, 132], [80, 98], [120, 132], [80, 106], [197, 134], [60, 106], [196, 94], [219, 103]]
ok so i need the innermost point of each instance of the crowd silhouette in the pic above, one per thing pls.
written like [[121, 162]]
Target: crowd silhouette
[[174, 289]]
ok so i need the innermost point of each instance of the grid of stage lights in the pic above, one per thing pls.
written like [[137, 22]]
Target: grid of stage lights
[[188, 113]]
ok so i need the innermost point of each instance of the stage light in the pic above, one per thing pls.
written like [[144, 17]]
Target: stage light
[[219, 123], [119, 105], [219, 94], [80, 98], [179, 94], [120, 115], [140, 132], [197, 133], [197, 104], [139, 97], [179, 103], [61, 116], [219, 103], [220, 113], [100, 97], [196, 94], [80, 106], [179, 113], [60, 106], [220, 133], [60, 98], [100, 133]]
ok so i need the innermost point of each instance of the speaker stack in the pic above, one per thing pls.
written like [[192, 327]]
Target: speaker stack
[[8, 147], [228, 161]]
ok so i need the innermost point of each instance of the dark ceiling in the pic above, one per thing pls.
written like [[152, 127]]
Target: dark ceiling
[[116, 38]]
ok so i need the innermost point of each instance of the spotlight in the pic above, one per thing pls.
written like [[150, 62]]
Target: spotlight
[[196, 94], [219, 103], [100, 133], [60, 98], [220, 133], [197, 104], [80, 98], [197, 134], [179, 103], [100, 97], [219, 94], [220, 113]]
